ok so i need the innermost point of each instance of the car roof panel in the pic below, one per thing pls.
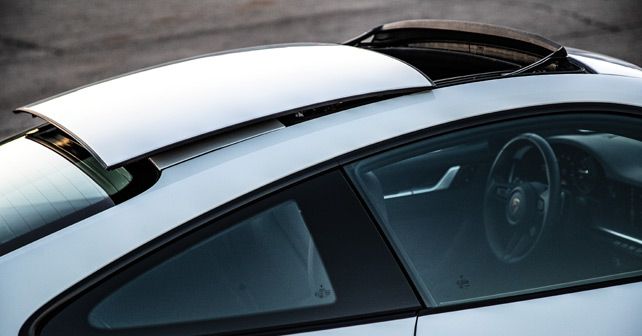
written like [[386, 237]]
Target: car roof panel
[[137, 115]]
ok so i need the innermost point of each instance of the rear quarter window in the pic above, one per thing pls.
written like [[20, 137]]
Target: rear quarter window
[[303, 257]]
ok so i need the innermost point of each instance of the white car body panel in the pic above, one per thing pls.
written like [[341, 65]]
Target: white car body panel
[[604, 64], [214, 93], [172, 157], [31, 275], [608, 68], [388, 328], [605, 311]]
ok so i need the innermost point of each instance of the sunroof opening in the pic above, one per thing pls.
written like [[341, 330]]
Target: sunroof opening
[[455, 51], [440, 64]]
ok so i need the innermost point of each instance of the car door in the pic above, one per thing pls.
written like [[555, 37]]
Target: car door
[[531, 226], [303, 259]]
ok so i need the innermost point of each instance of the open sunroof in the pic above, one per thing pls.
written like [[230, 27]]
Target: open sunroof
[[447, 50]]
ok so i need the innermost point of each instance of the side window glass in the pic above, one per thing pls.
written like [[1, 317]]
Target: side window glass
[[514, 208], [265, 263], [306, 255]]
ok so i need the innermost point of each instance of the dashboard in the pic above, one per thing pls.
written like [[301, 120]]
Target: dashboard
[[601, 176], [579, 171]]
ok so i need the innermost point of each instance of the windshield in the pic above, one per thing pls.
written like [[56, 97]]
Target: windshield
[[48, 181]]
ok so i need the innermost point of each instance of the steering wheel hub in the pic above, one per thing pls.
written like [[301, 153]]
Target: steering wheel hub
[[520, 205]]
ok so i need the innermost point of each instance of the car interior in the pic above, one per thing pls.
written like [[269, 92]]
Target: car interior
[[517, 208]]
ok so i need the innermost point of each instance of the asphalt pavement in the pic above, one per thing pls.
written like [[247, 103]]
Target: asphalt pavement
[[47, 47]]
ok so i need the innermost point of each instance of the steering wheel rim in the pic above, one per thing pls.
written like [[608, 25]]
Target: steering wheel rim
[[517, 214]]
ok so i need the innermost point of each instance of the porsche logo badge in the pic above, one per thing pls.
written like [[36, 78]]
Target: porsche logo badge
[[514, 204]]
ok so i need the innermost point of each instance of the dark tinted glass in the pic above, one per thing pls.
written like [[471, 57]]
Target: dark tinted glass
[[265, 263], [306, 255], [520, 207]]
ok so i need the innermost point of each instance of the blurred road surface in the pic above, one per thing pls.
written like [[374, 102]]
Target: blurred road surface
[[47, 47]]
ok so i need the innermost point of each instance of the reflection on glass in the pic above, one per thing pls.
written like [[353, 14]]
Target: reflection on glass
[[40, 187], [266, 263]]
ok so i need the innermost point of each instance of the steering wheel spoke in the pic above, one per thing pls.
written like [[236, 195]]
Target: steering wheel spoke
[[500, 191], [516, 240], [542, 202], [543, 196]]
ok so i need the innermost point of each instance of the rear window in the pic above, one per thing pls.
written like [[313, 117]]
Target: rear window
[[48, 181]]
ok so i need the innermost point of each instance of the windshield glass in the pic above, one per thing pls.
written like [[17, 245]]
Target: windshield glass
[[48, 181]]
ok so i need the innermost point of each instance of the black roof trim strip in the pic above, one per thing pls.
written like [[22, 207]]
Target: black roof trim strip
[[557, 54]]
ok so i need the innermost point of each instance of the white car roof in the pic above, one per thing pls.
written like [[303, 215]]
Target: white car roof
[[136, 115]]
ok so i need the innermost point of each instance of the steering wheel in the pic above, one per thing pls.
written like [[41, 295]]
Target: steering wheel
[[518, 213]]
